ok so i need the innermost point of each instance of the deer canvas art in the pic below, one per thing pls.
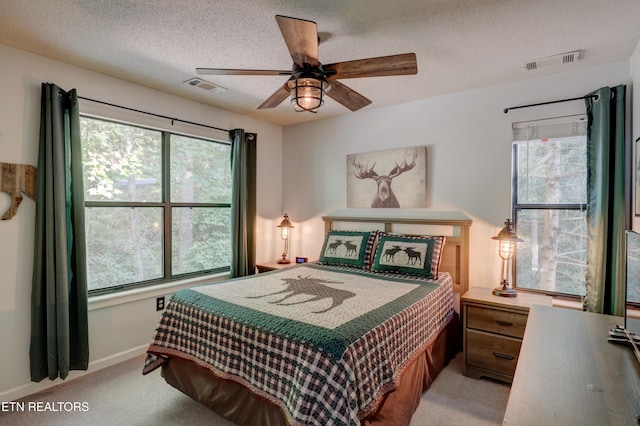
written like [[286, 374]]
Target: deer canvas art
[[394, 178]]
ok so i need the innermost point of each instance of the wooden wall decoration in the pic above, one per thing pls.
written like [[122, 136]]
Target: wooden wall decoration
[[15, 180]]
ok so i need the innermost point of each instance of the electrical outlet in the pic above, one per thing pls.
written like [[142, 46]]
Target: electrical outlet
[[160, 303]]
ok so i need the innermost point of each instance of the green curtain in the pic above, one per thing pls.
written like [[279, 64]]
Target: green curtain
[[243, 203], [59, 326], [605, 292]]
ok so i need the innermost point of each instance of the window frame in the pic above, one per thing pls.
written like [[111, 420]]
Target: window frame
[[167, 210], [517, 207]]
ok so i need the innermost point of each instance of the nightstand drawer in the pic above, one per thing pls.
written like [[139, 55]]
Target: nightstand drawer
[[496, 321], [491, 352]]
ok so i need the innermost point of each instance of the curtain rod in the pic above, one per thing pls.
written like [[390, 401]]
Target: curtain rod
[[506, 110], [173, 119]]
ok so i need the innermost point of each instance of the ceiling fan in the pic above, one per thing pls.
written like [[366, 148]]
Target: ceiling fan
[[310, 80]]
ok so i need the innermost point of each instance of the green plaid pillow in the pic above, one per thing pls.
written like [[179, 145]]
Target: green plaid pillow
[[412, 255], [348, 248]]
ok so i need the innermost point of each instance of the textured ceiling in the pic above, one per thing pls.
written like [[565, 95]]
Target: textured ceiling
[[460, 44]]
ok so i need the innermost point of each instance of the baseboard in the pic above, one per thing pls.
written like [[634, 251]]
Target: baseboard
[[31, 388]]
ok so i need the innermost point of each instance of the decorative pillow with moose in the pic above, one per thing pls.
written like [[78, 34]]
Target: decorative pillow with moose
[[412, 255], [348, 248]]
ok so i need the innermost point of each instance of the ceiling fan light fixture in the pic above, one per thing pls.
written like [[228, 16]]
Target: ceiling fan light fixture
[[308, 84], [307, 93]]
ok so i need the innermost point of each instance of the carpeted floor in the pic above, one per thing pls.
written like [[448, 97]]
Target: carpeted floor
[[121, 395]]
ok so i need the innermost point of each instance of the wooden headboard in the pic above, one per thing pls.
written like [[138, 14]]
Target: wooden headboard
[[453, 225]]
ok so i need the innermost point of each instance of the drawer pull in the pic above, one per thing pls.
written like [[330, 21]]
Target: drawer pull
[[504, 323], [499, 355]]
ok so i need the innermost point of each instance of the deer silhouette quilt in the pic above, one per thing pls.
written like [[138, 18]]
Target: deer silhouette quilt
[[324, 344]]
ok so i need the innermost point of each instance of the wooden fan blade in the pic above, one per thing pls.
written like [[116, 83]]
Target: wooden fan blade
[[301, 37], [219, 71], [346, 96], [404, 64], [276, 99]]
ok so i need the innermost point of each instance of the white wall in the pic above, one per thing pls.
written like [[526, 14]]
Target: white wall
[[635, 77], [116, 330], [635, 123], [469, 154]]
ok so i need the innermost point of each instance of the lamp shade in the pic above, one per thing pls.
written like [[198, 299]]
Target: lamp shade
[[507, 237], [307, 93], [285, 227]]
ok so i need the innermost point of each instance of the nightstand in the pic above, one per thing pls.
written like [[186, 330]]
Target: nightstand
[[493, 328], [272, 266]]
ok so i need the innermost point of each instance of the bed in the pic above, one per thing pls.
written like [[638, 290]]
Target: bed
[[354, 338]]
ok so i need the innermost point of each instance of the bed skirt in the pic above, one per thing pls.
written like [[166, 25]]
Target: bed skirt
[[236, 403]]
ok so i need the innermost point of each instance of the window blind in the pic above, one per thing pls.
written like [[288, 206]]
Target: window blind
[[575, 125]]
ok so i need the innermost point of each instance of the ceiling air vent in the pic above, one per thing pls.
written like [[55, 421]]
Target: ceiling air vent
[[205, 85], [563, 58]]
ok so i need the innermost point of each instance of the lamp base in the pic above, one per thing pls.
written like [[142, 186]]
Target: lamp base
[[283, 261], [504, 291]]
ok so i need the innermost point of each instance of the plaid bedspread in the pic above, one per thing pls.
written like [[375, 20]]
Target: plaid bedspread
[[325, 345]]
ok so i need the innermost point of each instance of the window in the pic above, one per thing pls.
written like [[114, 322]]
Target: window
[[157, 205], [633, 268], [549, 204]]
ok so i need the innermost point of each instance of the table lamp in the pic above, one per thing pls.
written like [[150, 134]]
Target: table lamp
[[285, 231], [508, 239]]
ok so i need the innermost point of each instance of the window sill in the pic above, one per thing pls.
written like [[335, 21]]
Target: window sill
[[128, 296], [568, 304], [577, 305]]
